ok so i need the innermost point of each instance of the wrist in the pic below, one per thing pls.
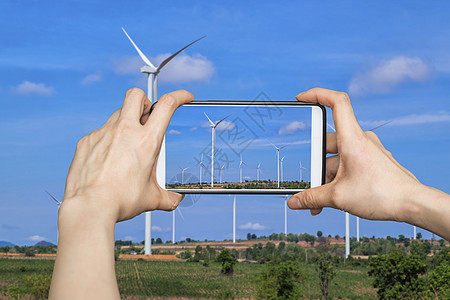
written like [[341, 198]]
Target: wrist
[[79, 212], [427, 207]]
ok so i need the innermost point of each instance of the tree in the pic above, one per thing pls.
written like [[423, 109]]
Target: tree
[[254, 237], [249, 236], [228, 261], [326, 273], [158, 241], [319, 233], [5, 249], [439, 280], [280, 281], [418, 236], [397, 275]]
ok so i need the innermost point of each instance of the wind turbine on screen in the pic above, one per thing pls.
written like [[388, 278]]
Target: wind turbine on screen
[[278, 162], [213, 143], [258, 171], [281, 163], [201, 165], [301, 174], [241, 165], [152, 94]]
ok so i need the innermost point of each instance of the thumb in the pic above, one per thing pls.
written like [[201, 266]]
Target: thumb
[[314, 199], [170, 200]]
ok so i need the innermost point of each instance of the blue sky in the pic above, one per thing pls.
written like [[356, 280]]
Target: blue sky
[[65, 66]]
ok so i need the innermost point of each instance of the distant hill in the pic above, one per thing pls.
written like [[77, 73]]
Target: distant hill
[[4, 244], [44, 243]]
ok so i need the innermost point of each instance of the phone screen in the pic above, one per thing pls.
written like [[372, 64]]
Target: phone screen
[[239, 147]]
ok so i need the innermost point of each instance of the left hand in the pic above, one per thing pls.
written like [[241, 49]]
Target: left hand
[[113, 172]]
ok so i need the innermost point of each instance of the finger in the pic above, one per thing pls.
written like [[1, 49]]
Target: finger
[[133, 105], [170, 201], [332, 167], [339, 102], [164, 109], [315, 198], [146, 112], [332, 143]]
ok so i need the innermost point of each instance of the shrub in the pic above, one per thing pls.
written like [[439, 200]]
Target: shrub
[[228, 261], [38, 285], [280, 281]]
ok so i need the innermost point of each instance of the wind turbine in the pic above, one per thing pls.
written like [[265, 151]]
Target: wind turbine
[[241, 164], [58, 203], [278, 162], [220, 173], [301, 167], [54, 198], [258, 171], [201, 164], [234, 219], [182, 174], [285, 197], [213, 143], [281, 162], [173, 223], [152, 94]]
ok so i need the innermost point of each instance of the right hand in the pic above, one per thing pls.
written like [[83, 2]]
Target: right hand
[[363, 178]]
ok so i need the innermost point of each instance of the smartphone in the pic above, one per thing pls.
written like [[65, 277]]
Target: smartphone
[[244, 147]]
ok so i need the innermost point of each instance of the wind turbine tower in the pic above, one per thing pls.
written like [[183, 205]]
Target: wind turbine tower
[[241, 164], [301, 173], [152, 94], [220, 173], [234, 219], [281, 163], [201, 165], [213, 143], [258, 170], [278, 162]]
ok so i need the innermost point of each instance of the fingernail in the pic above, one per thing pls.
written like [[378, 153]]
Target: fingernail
[[299, 95]]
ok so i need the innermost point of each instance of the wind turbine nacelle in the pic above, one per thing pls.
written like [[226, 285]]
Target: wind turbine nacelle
[[148, 69]]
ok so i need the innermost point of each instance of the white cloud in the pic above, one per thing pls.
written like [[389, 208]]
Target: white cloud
[[384, 77], [36, 238], [292, 127], [415, 119], [156, 228], [91, 78], [173, 131], [251, 226], [193, 129], [130, 65], [247, 178], [183, 68], [129, 238], [27, 87], [225, 125]]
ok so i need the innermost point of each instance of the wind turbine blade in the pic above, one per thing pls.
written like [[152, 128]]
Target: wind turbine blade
[[375, 128], [176, 53], [274, 146], [144, 58], [283, 158], [332, 128], [212, 123], [284, 146], [222, 120], [53, 197], [179, 211]]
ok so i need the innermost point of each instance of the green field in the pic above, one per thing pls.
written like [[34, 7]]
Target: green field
[[154, 279]]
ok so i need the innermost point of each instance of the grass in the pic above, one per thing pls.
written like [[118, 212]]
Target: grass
[[155, 279]]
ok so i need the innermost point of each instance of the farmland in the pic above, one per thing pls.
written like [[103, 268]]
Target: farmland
[[157, 279]]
